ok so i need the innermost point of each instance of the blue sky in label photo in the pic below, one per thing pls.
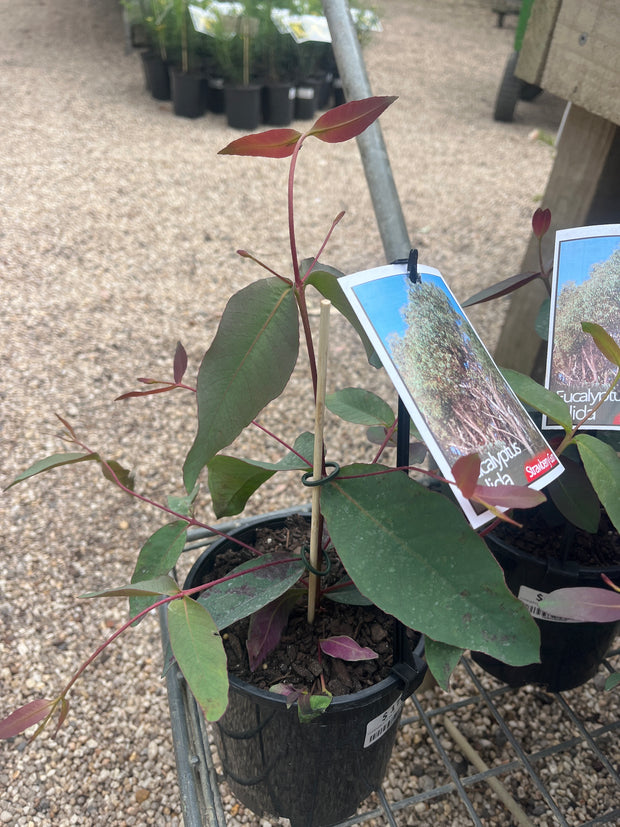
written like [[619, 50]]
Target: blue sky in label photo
[[384, 299], [577, 255]]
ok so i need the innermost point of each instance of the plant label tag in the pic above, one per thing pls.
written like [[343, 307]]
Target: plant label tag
[[380, 725], [586, 276], [531, 598], [454, 392]]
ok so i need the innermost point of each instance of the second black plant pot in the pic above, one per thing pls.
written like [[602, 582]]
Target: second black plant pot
[[317, 773], [157, 77], [278, 104], [570, 653], [188, 98], [305, 101], [243, 106]]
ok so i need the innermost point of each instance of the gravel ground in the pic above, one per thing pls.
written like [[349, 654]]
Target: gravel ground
[[119, 226]]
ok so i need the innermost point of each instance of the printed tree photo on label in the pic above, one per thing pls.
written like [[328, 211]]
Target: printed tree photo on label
[[586, 285], [459, 401], [458, 387]]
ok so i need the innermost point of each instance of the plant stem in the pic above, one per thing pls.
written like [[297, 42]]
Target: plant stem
[[299, 286], [281, 441], [191, 521]]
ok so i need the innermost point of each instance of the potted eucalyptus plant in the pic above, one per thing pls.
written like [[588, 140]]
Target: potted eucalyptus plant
[[572, 540], [187, 84], [396, 548], [155, 60]]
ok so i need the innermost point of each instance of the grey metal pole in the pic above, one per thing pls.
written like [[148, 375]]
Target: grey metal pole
[[386, 203]]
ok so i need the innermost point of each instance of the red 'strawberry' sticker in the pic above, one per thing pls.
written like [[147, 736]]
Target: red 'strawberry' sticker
[[540, 464]]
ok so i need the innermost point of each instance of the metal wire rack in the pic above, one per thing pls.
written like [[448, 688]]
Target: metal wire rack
[[517, 755]]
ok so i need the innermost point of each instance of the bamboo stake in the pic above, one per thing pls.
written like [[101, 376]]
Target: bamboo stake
[[317, 459], [494, 783]]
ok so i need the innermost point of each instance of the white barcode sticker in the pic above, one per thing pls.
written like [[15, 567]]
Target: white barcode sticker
[[380, 725], [532, 598]]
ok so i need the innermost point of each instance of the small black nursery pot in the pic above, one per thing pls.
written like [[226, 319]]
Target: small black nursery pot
[[570, 652], [318, 772]]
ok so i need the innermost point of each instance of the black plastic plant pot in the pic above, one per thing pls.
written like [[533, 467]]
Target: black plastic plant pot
[[187, 94], [243, 106], [216, 96], [570, 652], [157, 77], [305, 101], [317, 773], [278, 104]]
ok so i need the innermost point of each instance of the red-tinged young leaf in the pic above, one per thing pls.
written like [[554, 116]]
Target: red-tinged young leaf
[[541, 221], [115, 472], [508, 496], [345, 648], [274, 143], [26, 716], [55, 461], [604, 342], [502, 288], [64, 709], [180, 363], [163, 585], [466, 471], [350, 119], [610, 583], [583, 603], [166, 386], [67, 426], [289, 692], [266, 627]]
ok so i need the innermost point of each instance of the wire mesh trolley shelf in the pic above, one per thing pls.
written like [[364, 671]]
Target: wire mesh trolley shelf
[[483, 754]]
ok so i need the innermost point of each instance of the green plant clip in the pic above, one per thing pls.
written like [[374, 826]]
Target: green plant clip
[[305, 551], [306, 479]]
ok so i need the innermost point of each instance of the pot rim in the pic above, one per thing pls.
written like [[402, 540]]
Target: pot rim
[[341, 702]]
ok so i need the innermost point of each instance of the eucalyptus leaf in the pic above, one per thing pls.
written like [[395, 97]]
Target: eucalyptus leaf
[[248, 364], [163, 585], [234, 599], [602, 466], [442, 660], [325, 280], [360, 406], [573, 495], [350, 595], [158, 556], [612, 681], [199, 651], [115, 472], [541, 325], [54, 461], [539, 398], [184, 504], [232, 481], [413, 554]]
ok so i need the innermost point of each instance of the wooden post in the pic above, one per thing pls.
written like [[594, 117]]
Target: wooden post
[[582, 153]]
